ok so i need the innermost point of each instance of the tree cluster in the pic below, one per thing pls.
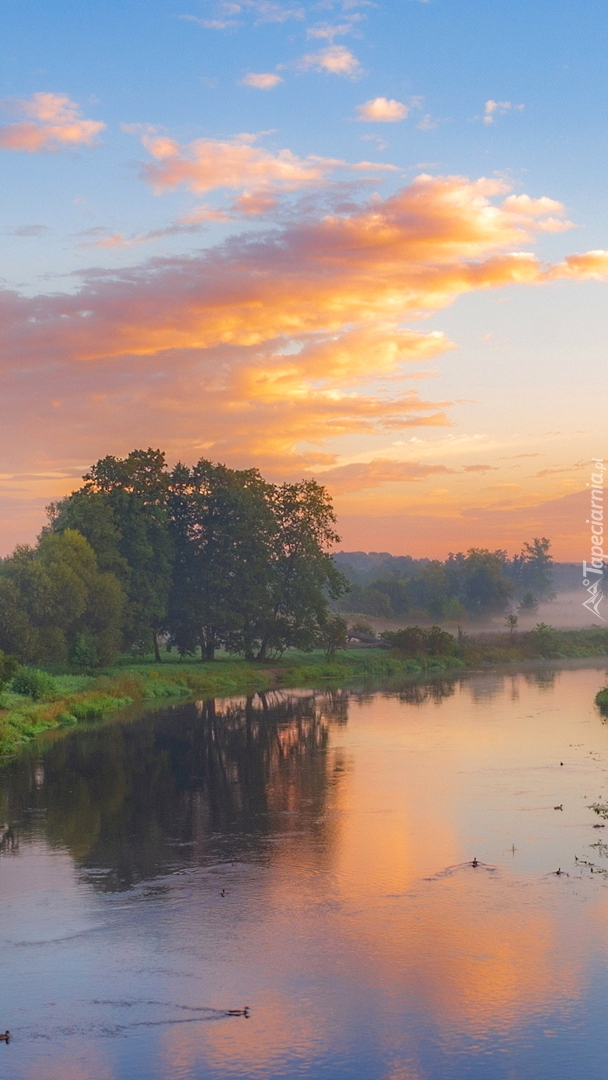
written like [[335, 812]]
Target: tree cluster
[[199, 557], [476, 583]]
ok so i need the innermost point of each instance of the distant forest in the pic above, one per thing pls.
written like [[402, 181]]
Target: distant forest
[[472, 584]]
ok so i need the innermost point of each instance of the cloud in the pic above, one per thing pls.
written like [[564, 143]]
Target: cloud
[[265, 11], [327, 32], [263, 81], [270, 347], [498, 108], [427, 123], [358, 476], [27, 231], [434, 533], [336, 59], [211, 24], [268, 12], [236, 163], [479, 468], [53, 122], [412, 253], [382, 110]]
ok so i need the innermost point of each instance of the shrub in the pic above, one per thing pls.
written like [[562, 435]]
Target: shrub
[[34, 683]]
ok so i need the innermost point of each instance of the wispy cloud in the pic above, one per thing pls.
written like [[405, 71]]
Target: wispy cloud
[[382, 110], [261, 81], [328, 32], [498, 108], [52, 122], [427, 123], [264, 11], [359, 476], [336, 59], [27, 231]]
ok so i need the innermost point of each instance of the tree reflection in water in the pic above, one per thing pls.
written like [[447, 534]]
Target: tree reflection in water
[[198, 783]]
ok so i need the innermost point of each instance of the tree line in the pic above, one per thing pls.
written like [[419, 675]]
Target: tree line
[[197, 557], [474, 584]]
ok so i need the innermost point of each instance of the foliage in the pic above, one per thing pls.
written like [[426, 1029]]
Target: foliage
[[8, 668], [32, 682], [529, 604], [475, 583], [601, 700], [333, 635], [415, 641], [122, 512], [531, 571], [53, 594], [206, 555]]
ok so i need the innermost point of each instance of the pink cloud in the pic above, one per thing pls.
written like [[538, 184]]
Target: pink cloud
[[237, 163], [53, 122], [361, 475], [261, 81], [335, 59], [382, 110]]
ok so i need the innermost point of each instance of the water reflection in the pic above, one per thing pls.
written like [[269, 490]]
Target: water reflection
[[309, 855], [206, 781]]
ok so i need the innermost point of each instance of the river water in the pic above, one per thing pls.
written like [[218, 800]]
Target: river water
[[310, 856]]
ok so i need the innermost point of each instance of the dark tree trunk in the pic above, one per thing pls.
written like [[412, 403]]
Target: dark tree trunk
[[157, 655]]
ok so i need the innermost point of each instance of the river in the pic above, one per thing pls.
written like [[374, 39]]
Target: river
[[311, 856]]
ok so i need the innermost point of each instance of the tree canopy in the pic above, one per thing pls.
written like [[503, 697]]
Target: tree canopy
[[203, 556]]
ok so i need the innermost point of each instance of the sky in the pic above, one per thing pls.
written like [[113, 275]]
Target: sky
[[361, 241]]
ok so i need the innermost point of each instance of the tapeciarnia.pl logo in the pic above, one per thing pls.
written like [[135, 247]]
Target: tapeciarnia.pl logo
[[593, 571]]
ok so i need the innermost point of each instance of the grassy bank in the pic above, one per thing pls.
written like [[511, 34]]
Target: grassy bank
[[76, 698], [66, 699]]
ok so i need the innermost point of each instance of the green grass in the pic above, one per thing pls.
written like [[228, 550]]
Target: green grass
[[81, 698]]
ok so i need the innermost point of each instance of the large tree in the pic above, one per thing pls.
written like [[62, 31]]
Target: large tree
[[57, 606], [301, 573], [221, 524], [122, 511]]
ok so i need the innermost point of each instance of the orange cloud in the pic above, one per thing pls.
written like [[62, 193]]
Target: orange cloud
[[53, 122], [413, 253], [383, 110], [361, 475], [271, 346], [214, 163]]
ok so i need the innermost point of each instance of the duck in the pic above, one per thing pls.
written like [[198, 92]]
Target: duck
[[238, 1012], [5, 1036], [475, 862]]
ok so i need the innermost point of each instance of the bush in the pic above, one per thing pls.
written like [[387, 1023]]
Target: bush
[[415, 641], [34, 683]]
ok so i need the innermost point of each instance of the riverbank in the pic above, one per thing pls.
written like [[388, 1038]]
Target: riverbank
[[70, 699]]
